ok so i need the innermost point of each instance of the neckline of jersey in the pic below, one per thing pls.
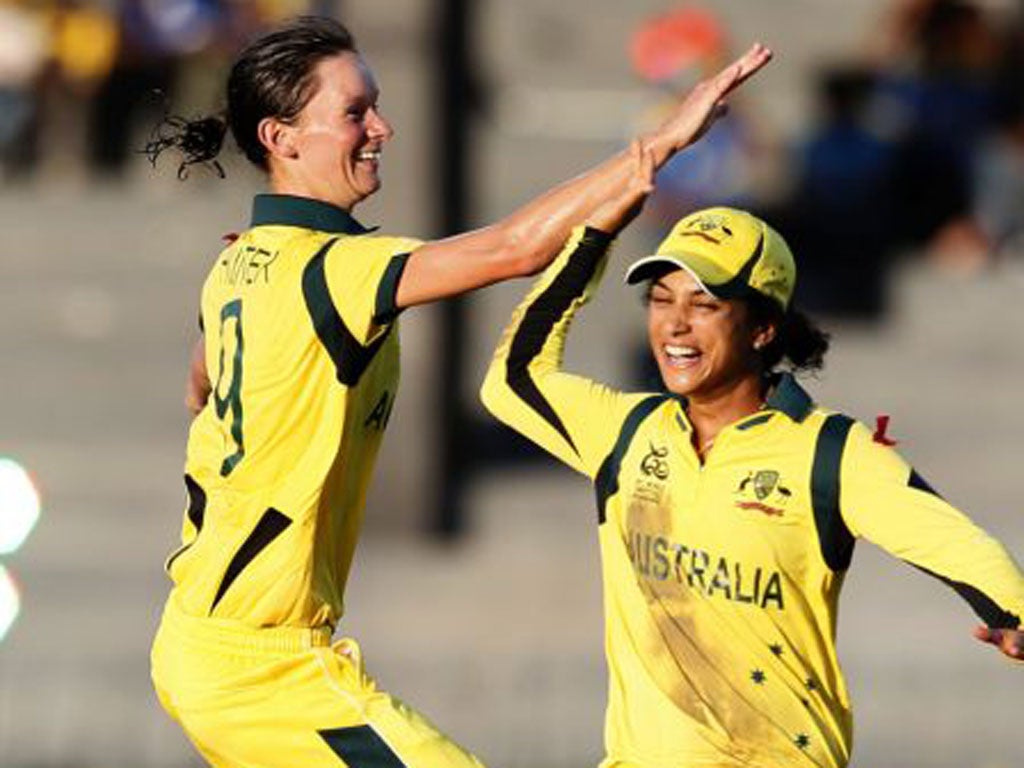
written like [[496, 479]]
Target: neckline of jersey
[[305, 212], [786, 396]]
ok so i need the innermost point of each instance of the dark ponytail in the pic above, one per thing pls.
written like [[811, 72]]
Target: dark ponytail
[[799, 343], [199, 141], [273, 77]]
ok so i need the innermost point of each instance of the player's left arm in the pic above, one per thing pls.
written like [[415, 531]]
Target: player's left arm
[[529, 239], [884, 500], [197, 387]]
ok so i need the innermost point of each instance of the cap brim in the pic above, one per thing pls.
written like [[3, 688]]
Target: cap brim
[[658, 264]]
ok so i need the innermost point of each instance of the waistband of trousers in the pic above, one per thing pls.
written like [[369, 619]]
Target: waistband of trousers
[[234, 635]]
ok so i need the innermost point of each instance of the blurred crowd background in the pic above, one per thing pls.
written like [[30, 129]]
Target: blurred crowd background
[[915, 142], [886, 143]]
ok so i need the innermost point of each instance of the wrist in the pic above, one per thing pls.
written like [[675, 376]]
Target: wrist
[[595, 237], [661, 145]]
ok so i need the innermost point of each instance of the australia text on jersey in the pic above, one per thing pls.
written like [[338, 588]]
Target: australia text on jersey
[[658, 558]]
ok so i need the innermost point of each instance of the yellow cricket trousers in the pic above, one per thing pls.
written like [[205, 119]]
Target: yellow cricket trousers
[[286, 698]]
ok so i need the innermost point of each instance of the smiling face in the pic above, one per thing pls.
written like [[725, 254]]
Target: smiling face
[[705, 347], [332, 150]]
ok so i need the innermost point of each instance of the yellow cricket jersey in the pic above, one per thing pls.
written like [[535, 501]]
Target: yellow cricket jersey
[[301, 342], [721, 580]]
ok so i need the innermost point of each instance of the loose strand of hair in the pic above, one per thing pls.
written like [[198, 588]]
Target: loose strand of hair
[[199, 141]]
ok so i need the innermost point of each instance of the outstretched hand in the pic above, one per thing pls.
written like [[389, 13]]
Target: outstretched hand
[[617, 212], [706, 102], [1009, 641]]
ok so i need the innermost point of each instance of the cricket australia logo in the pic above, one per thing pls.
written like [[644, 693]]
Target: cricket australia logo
[[763, 491], [710, 226]]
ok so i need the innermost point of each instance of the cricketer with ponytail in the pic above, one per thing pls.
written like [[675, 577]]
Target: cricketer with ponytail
[[292, 385]]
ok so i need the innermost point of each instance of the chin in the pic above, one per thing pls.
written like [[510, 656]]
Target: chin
[[367, 191], [676, 386]]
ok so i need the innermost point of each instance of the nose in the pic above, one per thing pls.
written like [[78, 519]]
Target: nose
[[676, 321], [378, 126]]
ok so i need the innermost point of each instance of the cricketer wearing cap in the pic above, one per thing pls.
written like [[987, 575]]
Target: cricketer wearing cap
[[722, 569]]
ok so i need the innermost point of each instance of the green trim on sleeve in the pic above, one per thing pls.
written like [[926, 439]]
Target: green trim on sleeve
[[987, 609], [385, 308], [540, 319], [918, 483], [834, 537], [360, 747]]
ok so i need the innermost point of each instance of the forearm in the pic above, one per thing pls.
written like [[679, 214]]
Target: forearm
[[525, 386], [526, 241], [887, 503], [541, 226]]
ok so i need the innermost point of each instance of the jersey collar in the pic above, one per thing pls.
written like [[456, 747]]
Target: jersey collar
[[789, 397], [786, 396], [305, 212]]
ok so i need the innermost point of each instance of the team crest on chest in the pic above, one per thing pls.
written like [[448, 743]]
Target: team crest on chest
[[762, 491]]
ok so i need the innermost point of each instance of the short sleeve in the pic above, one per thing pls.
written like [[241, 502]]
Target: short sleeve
[[362, 275]]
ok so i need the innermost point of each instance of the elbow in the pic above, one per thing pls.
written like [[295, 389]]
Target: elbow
[[495, 391], [192, 405], [195, 398], [489, 396]]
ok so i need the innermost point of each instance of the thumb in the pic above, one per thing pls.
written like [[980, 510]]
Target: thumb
[[988, 635]]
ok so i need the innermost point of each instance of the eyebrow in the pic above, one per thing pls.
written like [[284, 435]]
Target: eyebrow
[[698, 291]]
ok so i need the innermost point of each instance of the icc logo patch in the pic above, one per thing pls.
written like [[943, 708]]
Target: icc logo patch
[[762, 490], [654, 464], [654, 471]]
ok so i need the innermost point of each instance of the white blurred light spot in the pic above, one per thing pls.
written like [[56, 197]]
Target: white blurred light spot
[[87, 312], [10, 603], [19, 506]]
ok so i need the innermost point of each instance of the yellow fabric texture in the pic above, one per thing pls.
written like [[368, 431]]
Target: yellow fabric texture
[[309, 442], [720, 606], [257, 698], [301, 348]]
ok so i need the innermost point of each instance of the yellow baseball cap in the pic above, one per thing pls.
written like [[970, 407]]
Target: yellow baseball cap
[[728, 252]]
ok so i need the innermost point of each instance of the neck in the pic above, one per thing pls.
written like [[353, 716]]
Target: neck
[[710, 413], [284, 182]]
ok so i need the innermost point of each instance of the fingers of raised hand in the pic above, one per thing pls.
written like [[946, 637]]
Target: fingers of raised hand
[[1009, 641], [756, 57], [1013, 643]]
